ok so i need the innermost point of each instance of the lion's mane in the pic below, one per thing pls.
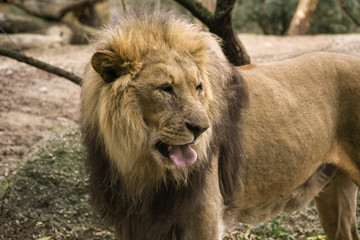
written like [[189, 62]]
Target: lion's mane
[[126, 187]]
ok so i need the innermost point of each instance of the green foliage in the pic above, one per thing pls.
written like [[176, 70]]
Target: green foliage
[[271, 16], [273, 230], [274, 16], [270, 230], [330, 18], [5, 188]]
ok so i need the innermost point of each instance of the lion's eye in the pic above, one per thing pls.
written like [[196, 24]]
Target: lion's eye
[[167, 89], [199, 87]]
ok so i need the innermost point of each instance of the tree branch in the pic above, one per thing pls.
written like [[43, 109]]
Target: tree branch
[[232, 47], [42, 65], [220, 24], [223, 8], [198, 10]]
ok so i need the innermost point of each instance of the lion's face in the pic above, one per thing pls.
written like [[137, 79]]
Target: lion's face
[[172, 95], [151, 105], [163, 105]]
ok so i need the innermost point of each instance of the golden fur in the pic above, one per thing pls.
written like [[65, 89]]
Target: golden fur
[[114, 108], [270, 146]]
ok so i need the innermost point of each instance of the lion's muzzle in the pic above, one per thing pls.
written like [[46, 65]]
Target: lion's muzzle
[[182, 155], [196, 129]]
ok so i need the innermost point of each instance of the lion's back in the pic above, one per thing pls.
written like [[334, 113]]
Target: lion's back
[[292, 116]]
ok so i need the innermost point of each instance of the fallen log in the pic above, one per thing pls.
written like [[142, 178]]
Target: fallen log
[[52, 9], [10, 23]]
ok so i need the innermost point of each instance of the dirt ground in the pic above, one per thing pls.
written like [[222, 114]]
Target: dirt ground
[[35, 104]]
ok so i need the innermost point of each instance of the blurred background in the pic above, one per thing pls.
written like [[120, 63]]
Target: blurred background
[[42, 179], [269, 17]]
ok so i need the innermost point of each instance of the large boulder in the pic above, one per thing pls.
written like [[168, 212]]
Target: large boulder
[[47, 198]]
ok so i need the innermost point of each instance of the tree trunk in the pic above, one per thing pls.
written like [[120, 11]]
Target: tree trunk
[[209, 4], [232, 47], [10, 23], [220, 24], [304, 13], [44, 33], [88, 15]]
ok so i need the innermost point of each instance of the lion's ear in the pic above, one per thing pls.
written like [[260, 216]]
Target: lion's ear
[[110, 66]]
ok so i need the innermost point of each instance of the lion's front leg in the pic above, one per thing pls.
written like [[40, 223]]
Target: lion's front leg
[[206, 224], [336, 206]]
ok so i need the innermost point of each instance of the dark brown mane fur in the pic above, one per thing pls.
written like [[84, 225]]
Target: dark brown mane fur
[[164, 212], [164, 135], [227, 137], [161, 214], [167, 210]]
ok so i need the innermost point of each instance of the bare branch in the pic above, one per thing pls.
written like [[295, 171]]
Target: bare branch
[[198, 10], [41, 65], [12, 42]]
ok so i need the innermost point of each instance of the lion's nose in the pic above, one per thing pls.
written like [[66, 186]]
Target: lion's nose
[[196, 130]]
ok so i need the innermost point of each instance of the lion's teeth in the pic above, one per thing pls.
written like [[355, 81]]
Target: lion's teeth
[[169, 148]]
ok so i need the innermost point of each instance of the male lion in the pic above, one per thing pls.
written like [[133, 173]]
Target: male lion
[[182, 145]]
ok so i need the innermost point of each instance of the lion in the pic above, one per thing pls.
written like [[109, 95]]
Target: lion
[[183, 145]]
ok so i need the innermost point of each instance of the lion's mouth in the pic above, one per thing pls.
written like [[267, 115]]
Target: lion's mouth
[[180, 155]]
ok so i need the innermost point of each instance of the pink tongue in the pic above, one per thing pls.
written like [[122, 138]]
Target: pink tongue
[[183, 155]]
